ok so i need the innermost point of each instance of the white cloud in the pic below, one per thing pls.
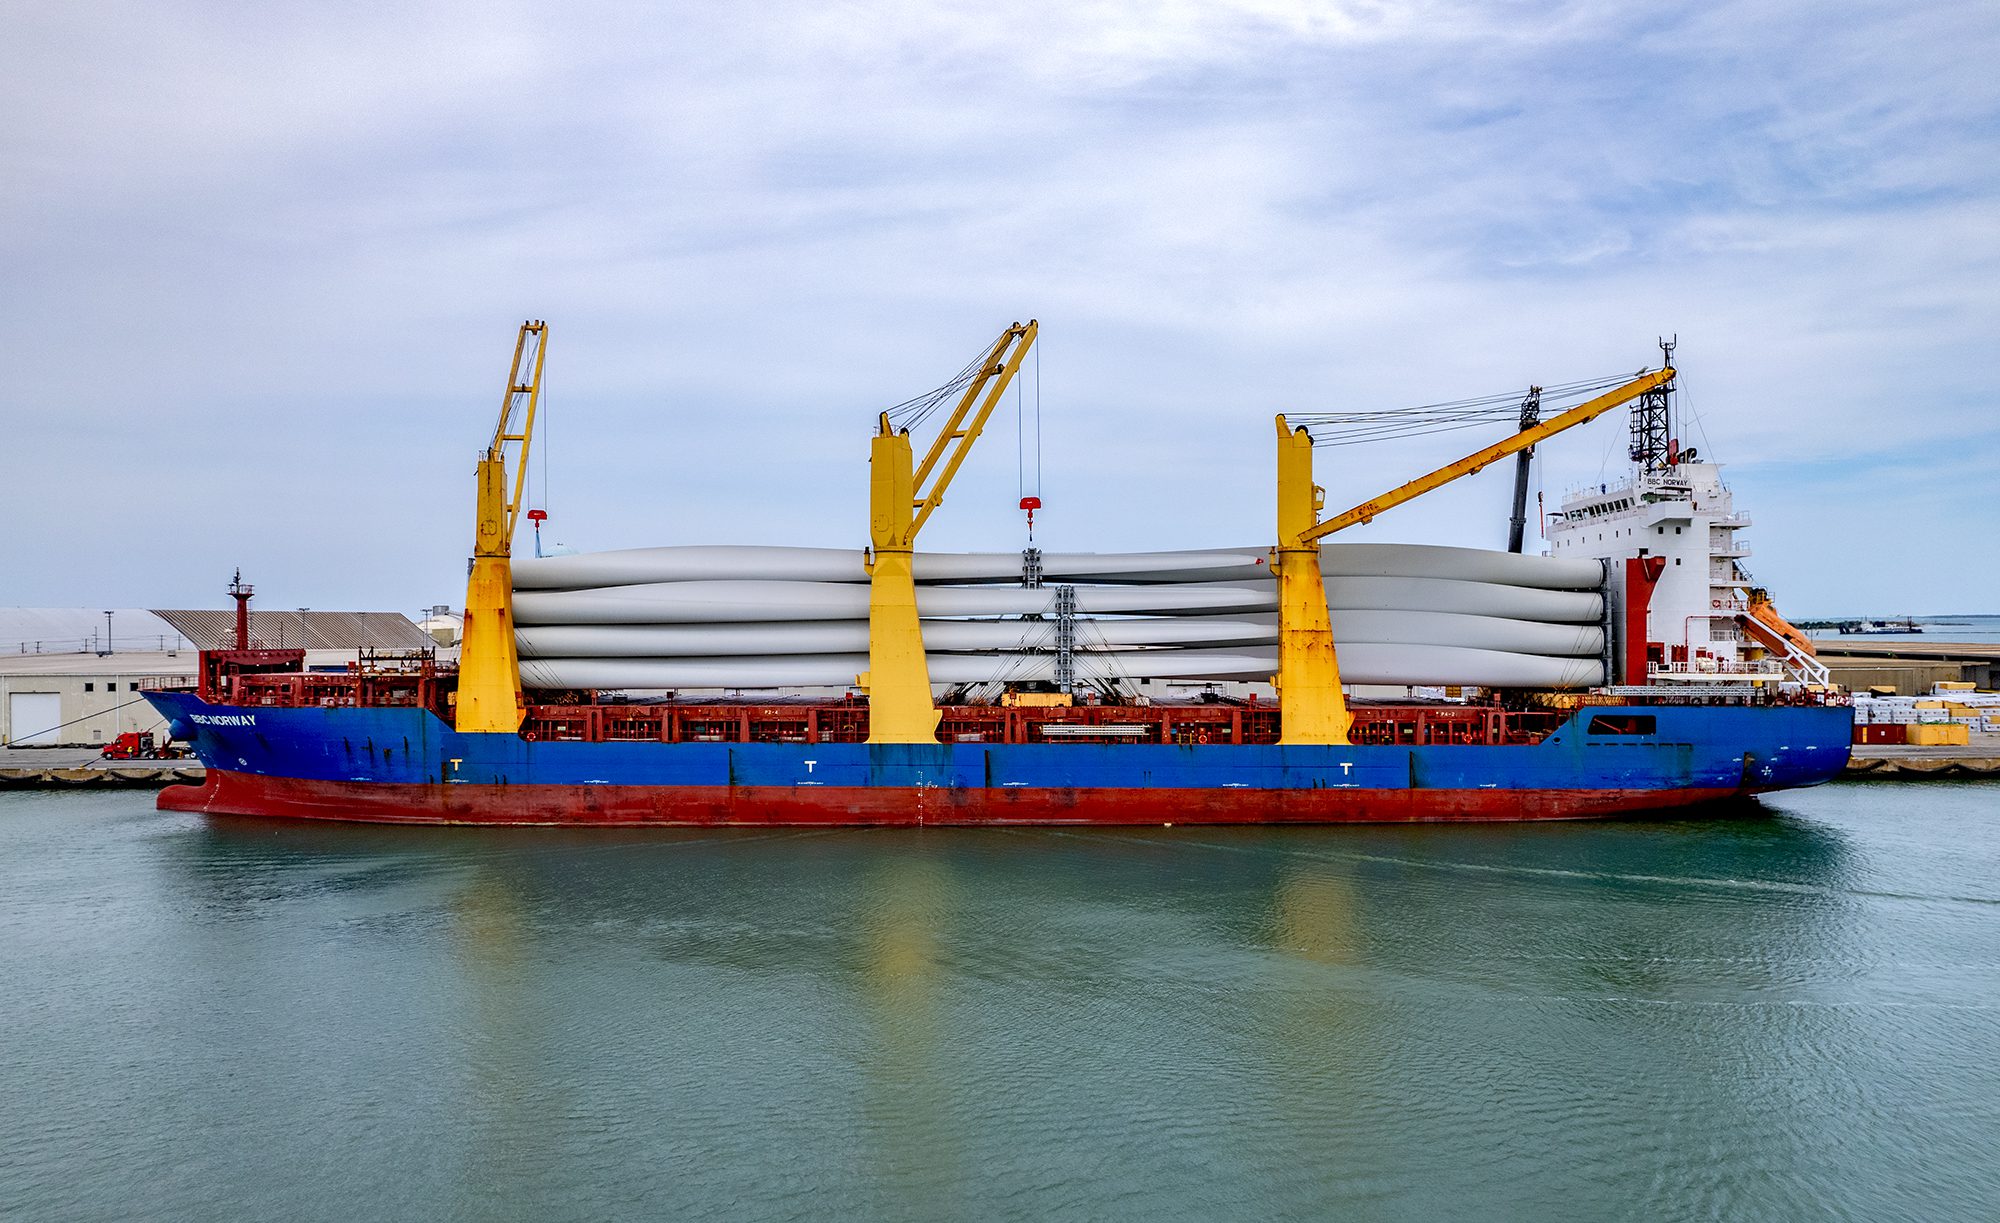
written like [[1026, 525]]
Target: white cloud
[[245, 235]]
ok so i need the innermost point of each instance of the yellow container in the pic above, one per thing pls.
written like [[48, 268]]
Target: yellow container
[[1930, 704], [1036, 700], [1953, 685], [1939, 734]]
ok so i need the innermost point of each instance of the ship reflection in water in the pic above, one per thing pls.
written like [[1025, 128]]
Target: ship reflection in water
[[1787, 1015]]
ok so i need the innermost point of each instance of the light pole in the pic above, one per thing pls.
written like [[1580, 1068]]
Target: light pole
[[111, 685]]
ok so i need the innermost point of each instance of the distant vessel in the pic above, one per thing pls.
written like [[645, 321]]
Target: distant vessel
[[1865, 628], [1610, 699]]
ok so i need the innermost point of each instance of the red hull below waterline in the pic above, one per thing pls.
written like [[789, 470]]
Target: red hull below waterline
[[227, 793]]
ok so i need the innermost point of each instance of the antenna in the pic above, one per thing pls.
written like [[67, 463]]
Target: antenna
[[1652, 446], [241, 591], [1667, 397]]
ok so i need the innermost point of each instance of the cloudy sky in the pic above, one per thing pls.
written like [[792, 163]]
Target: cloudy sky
[[263, 266]]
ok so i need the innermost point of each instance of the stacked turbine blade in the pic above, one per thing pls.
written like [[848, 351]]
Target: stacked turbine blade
[[754, 617]]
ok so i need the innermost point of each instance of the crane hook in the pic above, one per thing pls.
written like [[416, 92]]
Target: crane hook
[[1031, 504]]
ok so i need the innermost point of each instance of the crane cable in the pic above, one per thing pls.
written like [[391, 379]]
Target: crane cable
[[910, 414], [1028, 489], [1029, 492], [542, 419], [1355, 427]]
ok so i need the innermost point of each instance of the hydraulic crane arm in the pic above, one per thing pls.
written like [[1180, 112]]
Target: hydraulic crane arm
[[489, 668], [1580, 414], [902, 497]]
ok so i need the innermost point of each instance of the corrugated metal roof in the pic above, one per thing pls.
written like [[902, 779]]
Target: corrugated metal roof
[[307, 630]]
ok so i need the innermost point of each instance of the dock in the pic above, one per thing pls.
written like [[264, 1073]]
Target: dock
[[1978, 758], [50, 768]]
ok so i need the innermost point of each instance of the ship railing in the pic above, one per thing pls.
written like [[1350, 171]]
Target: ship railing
[[335, 689], [1807, 668], [1716, 694], [1717, 666], [847, 722], [1182, 725]]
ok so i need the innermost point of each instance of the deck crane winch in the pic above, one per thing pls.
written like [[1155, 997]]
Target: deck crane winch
[[489, 668], [1312, 707], [901, 498]]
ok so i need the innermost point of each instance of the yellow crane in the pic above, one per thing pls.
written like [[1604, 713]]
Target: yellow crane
[[489, 669], [902, 495], [1311, 705]]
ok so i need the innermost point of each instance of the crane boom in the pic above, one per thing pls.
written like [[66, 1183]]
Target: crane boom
[[1312, 708], [1580, 414], [489, 668], [523, 397], [902, 497], [955, 440]]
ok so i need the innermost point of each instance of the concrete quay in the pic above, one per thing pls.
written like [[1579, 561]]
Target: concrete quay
[[1979, 758], [53, 768]]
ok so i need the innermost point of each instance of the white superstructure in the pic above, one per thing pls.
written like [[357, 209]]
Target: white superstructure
[[1681, 512]]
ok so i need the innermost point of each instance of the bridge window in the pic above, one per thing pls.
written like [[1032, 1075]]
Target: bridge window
[[1623, 724]]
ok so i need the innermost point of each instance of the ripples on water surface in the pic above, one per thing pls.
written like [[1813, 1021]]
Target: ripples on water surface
[[1789, 1016]]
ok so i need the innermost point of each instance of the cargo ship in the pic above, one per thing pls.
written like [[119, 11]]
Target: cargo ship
[[888, 686]]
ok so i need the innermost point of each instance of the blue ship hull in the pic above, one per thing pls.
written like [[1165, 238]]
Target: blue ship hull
[[405, 765]]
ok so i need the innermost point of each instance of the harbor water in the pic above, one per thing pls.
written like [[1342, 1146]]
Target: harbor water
[[1789, 1013]]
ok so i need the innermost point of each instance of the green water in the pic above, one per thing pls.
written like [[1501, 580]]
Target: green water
[[1793, 1016]]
